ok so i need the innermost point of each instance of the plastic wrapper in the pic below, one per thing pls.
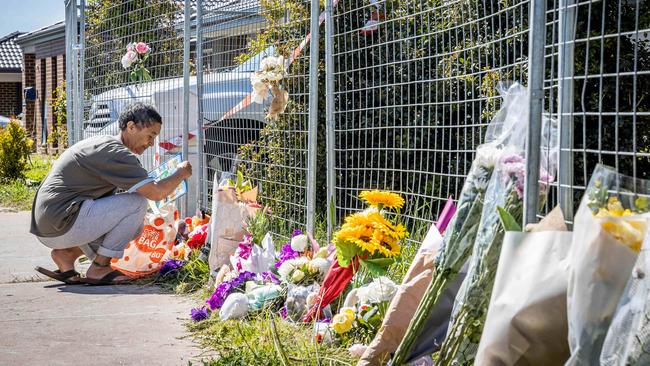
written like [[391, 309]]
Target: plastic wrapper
[[526, 322], [235, 306], [230, 212], [145, 254], [609, 229], [296, 303], [261, 295], [260, 259], [506, 192]]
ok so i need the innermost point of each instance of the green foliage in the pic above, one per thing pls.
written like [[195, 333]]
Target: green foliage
[[190, 278], [59, 136], [240, 184], [112, 25], [39, 167], [508, 222], [16, 195], [15, 149]]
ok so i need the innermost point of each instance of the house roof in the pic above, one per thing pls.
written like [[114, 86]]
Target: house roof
[[54, 31], [11, 56]]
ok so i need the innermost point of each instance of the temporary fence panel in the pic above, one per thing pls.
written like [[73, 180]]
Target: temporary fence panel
[[414, 88], [604, 100], [235, 37], [113, 77]]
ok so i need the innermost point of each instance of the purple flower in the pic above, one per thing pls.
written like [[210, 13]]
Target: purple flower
[[296, 232], [171, 266], [199, 314], [270, 277], [514, 166], [225, 288], [285, 254], [283, 312]]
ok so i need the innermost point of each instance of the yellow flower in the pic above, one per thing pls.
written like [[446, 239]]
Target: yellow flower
[[341, 323], [382, 198], [629, 232], [349, 312]]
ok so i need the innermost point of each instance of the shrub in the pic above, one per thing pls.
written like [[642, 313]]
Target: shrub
[[59, 136], [15, 148]]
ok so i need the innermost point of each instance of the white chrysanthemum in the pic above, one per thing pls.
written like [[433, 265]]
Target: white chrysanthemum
[[380, 290], [321, 264], [290, 265], [487, 156], [299, 243]]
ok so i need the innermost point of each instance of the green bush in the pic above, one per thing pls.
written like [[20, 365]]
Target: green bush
[[15, 148], [59, 135]]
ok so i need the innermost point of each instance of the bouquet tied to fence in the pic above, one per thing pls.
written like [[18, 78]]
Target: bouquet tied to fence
[[268, 80], [366, 239], [134, 58]]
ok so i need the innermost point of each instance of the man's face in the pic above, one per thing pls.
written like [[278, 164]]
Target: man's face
[[140, 139]]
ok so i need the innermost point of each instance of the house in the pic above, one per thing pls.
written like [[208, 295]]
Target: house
[[11, 60], [43, 70]]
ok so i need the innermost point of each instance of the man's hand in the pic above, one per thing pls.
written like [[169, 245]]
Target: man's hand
[[184, 169], [157, 191]]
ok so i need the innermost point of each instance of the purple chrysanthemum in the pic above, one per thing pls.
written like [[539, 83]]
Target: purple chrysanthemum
[[286, 253], [283, 312], [225, 288], [171, 266], [199, 314], [296, 232]]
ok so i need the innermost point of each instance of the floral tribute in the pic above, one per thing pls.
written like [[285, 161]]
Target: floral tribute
[[367, 239], [268, 80], [134, 58]]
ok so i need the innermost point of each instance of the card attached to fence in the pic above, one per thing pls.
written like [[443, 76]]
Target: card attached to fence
[[165, 170]]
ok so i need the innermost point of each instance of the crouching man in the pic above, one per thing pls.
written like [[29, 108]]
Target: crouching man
[[76, 209]]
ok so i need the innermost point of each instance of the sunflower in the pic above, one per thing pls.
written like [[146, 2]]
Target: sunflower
[[382, 199]]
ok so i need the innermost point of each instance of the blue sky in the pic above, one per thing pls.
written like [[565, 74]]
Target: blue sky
[[29, 15]]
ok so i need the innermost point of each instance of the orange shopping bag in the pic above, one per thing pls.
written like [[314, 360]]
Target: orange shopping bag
[[145, 254]]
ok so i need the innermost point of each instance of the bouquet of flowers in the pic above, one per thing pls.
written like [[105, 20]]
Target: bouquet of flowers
[[366, 239], [609, 228], [302, 261], [504, 201], [136, 55], [505, 128], [359, 320], [252, 257], [272, 72]]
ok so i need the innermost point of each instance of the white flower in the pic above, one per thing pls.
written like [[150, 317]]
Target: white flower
[[274, 76], [357, 350], [290, 265], [380, 290], [271, 62], [322, 265], [297, 275], [487, 156], [260, 97], [299, 243], [128, 59]]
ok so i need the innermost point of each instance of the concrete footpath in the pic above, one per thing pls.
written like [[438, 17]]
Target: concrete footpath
[[48, 323]]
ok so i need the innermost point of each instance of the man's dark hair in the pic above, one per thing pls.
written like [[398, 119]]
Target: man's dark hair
[[142, 114]]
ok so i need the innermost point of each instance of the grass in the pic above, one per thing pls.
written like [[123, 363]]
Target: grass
[[19, 194], [264, 341]]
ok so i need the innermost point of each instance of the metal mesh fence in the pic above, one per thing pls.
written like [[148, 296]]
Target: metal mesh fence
[[235, 37], [415, 86], [605, 106]]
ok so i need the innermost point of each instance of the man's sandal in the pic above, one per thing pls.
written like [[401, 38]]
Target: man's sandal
[[108, 279], [70, 277]]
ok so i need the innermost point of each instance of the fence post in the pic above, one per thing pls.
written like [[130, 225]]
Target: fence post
[[186, 95], [566, 32], [199, 97], [536, 43], [313, 116], [70, 32], [329, 115], [80, 60]]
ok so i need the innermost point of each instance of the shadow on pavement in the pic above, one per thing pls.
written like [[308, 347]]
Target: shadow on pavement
[[110, 290]]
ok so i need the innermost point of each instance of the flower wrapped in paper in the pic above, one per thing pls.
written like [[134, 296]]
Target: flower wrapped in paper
[[366, 239], [507, 128], [503, 202], [609, 228]]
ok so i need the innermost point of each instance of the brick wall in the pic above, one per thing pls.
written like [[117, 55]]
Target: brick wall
[[10, 99], [29, 79]]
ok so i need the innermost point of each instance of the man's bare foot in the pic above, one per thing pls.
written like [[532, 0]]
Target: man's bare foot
[[100, 268], [65, 258]]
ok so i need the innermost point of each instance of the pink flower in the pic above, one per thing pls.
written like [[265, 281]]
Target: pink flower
[[142, 48]]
